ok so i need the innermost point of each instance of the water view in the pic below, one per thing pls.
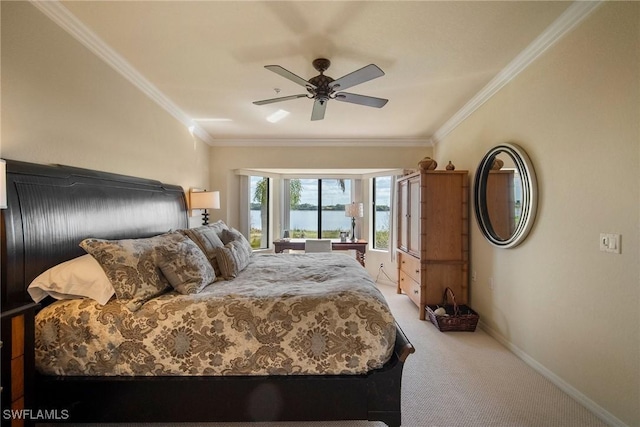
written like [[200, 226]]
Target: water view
[[331, 220]]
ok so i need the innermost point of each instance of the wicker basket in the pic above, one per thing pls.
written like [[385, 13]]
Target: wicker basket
[[460, 317]]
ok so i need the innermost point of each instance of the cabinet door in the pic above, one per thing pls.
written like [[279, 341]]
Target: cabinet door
[[414, 216], [444, 217], [403, 215]]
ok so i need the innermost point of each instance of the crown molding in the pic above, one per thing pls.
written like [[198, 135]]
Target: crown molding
[[324, 142], [59, 14], [312, 173], [571, 17]]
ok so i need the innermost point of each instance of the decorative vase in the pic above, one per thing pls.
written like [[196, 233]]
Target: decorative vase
[[450, 166], [427, 164]]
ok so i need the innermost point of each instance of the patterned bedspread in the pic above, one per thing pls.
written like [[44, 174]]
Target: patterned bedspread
[[285, 314]]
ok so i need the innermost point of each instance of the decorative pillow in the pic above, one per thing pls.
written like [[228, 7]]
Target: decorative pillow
[[207, 240], [233, 235], [233, 258], [80, 277], [218, 226], [188, 270], [132, 265]]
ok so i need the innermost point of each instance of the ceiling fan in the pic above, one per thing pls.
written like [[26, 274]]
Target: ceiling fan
[[322, 88]]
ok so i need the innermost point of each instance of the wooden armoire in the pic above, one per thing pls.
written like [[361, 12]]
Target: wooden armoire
[[433, 236]]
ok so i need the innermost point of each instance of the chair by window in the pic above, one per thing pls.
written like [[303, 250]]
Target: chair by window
[[317, 245]]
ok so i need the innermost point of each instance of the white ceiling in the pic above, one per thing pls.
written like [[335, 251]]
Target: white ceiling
[[206, 59]]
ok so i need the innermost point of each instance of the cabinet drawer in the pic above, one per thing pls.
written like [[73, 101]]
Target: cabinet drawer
[[410, 287], [410, 266]]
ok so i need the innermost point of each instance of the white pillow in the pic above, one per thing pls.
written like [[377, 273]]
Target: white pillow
[[77, 278]]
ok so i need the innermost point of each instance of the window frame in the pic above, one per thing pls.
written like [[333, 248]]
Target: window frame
[[286, 207], [266, 229], [374, 211]]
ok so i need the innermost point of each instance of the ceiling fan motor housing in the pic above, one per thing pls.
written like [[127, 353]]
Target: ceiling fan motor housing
[[321, 82]]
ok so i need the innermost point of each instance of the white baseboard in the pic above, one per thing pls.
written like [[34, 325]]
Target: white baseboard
[[599, 411]]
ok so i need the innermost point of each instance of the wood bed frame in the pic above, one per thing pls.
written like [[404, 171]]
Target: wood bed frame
[[52, 208]]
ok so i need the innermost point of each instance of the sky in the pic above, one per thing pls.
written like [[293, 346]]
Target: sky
[[333, 194]]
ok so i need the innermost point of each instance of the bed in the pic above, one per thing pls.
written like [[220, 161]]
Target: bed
[[54, 208]]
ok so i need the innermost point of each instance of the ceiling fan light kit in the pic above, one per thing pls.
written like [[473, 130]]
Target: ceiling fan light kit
[[322, 88]]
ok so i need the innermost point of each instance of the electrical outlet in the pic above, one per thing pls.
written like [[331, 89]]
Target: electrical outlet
[[491, 284], [610, 243], [473, 276], [382, 265]]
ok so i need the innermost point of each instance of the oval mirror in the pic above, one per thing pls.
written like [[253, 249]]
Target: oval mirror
[[505, 195]]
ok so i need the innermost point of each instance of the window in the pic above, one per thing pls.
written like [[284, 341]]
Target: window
[[335, 194], [317, 207], [381, 215], [259, 212]]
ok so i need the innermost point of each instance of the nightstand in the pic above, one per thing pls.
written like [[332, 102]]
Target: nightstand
[[17, 360]]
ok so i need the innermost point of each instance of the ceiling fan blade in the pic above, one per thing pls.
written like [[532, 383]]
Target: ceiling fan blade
[[362, 75], [319, 108], [282, 98], [289, 75], [369, 101]]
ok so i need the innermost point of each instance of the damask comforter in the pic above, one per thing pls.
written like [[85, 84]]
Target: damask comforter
[[285, 314]]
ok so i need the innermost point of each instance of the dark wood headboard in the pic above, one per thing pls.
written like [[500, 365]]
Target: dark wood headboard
[[52, 208]]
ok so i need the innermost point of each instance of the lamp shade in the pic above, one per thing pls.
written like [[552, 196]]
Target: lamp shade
[[3, 184], [204, 200], [354, 210]]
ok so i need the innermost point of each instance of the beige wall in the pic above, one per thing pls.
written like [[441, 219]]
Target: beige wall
[[62, 104], [570, 309]]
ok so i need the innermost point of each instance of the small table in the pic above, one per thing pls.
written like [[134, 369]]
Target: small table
[[360, 246]]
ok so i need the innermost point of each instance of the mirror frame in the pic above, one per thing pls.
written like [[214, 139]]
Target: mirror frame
[[529, 195]]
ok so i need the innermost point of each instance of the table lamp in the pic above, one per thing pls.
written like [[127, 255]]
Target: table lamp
[[204, 200], [354, 210]]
